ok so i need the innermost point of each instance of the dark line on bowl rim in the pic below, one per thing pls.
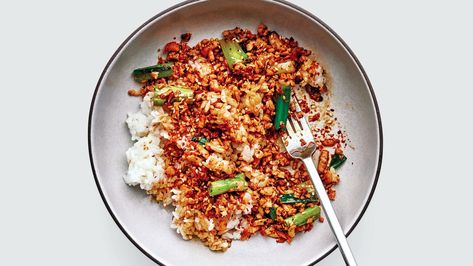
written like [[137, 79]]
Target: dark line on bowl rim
[[305, 12]]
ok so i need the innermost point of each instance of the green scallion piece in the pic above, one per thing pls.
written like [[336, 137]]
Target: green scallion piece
[[202, 141], [153, 72], [337, 161], [233, 52], [179, 94], [302, 217], [288, 199], [238, 183], [282, 107], [272, 213]]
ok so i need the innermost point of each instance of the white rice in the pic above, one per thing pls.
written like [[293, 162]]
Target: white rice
[[203, 68], [247, 152], [211, 225], [145, 165], [138, 125], [249, 203]]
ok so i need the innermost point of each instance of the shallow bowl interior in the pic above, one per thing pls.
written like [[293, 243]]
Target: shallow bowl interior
[[146, 223]]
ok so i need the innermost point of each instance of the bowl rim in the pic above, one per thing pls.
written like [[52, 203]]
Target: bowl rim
[[284, 3]]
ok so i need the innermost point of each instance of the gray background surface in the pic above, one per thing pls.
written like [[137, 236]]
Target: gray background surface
[[417, 54]]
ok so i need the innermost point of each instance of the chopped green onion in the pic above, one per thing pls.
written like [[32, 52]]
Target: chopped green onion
[[179, 94], [201, 140], [158, 101], [238, 183], [153, 72], [282, 107], [337, 161], [272, 213], [288, 199], [232, 52], [302, 217]]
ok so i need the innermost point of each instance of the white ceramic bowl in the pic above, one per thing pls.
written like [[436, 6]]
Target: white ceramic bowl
[[144, 222]]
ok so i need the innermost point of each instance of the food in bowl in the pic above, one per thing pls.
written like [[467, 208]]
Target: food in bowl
[[207, 137]]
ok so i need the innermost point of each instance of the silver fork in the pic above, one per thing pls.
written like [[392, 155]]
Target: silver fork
[[300, 144]]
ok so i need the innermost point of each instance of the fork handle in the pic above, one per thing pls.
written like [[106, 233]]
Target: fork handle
[[329, 212]]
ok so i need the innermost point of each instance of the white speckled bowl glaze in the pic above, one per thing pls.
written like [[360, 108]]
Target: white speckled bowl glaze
[[144, 222]]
